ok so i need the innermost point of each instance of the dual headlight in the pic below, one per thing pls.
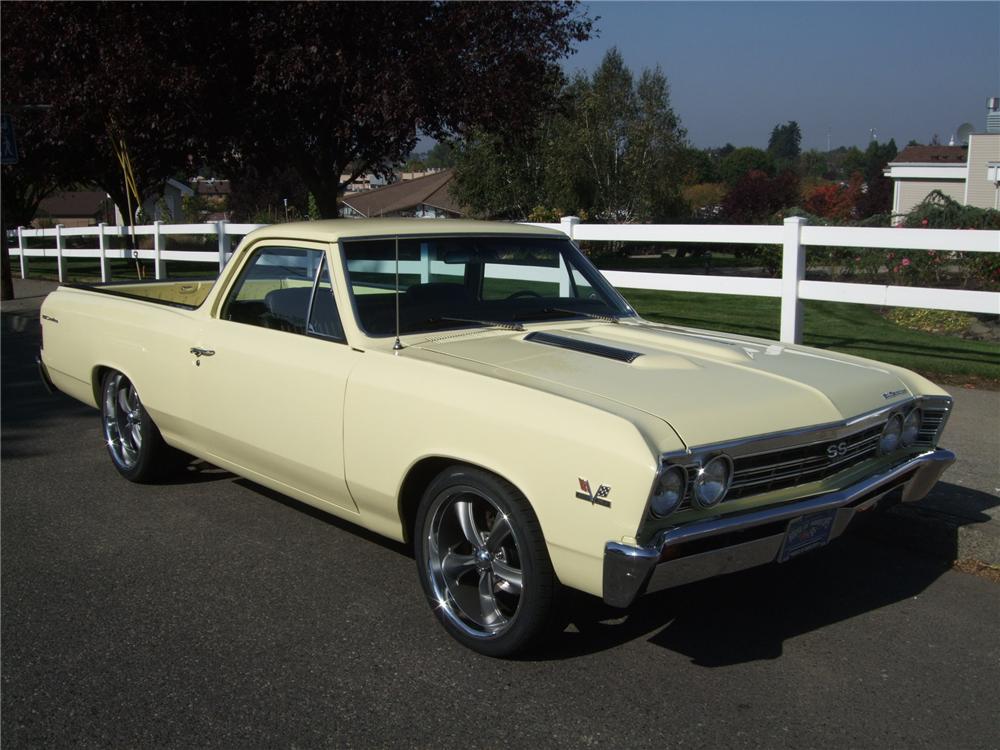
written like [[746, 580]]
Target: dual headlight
[[708, 488], [900, 430]]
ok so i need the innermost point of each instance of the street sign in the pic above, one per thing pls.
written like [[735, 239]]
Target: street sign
[[8, 144]]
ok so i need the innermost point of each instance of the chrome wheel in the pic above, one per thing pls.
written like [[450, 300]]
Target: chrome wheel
[[473, 562], [122, 413]]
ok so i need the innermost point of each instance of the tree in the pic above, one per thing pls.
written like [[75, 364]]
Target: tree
[[147, 90], [757, 197], [610, 146], [324, 98], [835, 200], [441, 156], [326, 88], [877, 197], [741, 161], [784, 144], [630, 141]]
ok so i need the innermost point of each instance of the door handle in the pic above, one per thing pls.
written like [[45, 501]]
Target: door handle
[[199, 352]]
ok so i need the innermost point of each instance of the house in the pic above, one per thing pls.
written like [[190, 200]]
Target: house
[[968, 173], [75, 208], [424, 198], [211, 198]]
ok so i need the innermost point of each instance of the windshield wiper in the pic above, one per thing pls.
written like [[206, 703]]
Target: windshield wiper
[[592, 316], [510, 326]]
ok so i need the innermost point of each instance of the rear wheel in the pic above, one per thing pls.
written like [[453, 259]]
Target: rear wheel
[[134, 443], [483, 563]]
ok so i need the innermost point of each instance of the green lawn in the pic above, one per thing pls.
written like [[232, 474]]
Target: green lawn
[[854, 329]]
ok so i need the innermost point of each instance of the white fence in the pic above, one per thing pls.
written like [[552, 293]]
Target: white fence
[[794, 237]]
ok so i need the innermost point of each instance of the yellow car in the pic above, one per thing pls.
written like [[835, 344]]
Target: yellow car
[[481, 391]]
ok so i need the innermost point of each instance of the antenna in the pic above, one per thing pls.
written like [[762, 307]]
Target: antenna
[[396, 346], [964, 131]]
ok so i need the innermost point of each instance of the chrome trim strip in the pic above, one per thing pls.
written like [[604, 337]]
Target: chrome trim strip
[[627, 570], [725, 524], [768, 442]]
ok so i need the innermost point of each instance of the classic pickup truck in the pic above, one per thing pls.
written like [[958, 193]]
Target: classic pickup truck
[[480, 391]]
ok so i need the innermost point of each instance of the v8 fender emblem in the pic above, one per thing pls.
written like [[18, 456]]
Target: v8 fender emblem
[[594, 498]]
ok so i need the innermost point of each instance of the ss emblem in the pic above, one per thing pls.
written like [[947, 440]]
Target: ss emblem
[[837, 449]]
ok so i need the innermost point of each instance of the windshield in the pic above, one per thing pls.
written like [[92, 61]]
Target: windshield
[[458, 282]]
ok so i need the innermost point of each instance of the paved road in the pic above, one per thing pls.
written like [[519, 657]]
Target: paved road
[[213, 613]]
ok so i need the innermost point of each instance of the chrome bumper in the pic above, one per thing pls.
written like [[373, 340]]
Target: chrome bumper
[[715, 546]]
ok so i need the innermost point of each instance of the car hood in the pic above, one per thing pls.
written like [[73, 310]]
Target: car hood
[[709, 387]]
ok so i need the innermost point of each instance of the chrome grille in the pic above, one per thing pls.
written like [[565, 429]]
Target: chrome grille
[[930, 426], [786, 468], [767, 471]]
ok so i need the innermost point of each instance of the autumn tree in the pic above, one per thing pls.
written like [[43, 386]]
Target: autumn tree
[[757, 197], [138, 77], [325, 88]]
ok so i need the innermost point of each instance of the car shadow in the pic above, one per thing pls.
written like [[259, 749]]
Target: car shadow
[[748, 616], [290, 502]]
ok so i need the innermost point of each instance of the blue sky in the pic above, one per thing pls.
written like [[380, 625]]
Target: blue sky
[[909, 70]]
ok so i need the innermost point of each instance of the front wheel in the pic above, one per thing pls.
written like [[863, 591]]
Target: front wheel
[[134, 443], [483, 563]]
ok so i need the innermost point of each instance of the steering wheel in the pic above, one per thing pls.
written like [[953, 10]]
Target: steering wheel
[[524, 293]]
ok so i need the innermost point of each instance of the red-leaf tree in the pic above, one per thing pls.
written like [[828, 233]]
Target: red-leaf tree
[[326, 88]]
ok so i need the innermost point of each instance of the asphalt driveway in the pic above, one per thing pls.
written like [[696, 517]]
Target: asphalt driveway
[[212, 612]]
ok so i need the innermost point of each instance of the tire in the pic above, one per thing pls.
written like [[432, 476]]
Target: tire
[[483, 563], [133, 441]]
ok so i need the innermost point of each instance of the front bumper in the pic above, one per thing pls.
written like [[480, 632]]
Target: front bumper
[[715, 546]]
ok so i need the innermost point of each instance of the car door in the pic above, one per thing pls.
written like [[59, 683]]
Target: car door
[[272, 365]]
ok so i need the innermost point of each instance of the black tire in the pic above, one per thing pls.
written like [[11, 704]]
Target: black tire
[[495, 597], [134, 443]]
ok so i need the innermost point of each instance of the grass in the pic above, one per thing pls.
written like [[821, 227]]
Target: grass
[[853, 329]]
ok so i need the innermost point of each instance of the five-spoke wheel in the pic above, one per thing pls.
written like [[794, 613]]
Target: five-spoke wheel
[[134, 443], [482, 561], [122, 414]]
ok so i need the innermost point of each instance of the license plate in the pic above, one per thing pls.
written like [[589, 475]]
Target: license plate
[[806, 533]]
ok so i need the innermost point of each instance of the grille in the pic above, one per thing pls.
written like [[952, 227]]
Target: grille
[[930, 426], [809, 463], [774, 470]]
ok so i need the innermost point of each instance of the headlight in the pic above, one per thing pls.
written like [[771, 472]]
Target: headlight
[[891, 434], [712, 482], [668, 492], [911, 426]]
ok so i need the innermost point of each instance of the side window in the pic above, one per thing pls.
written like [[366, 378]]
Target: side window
[[323, 317], [280, 288]]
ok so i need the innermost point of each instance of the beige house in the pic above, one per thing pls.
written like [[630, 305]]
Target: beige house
[[427, 197], [967, 174]]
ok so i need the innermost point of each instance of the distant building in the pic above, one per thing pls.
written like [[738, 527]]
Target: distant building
[[213, 195], [969, 173], [423, 198], [75, 208]]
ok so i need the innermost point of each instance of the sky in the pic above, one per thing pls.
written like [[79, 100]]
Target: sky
[[907, 70]]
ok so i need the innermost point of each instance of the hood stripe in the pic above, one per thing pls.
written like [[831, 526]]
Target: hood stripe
[[586, 347]]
